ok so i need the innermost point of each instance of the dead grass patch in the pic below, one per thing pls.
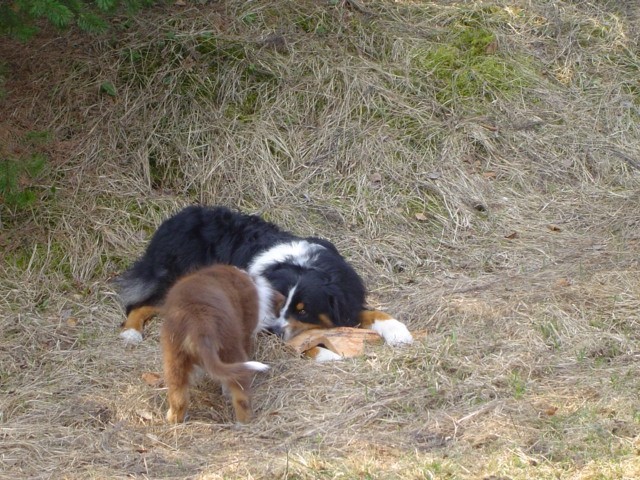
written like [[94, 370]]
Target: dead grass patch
[[478, 163]]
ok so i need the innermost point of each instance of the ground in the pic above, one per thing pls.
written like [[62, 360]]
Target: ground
[[477, 162]]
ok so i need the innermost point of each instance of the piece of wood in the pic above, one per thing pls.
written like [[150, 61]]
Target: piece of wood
[[345, 341]]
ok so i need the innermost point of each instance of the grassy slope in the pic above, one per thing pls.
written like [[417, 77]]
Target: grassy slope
[[478, 162]]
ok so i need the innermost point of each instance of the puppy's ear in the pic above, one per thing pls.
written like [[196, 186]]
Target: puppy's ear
[[277, 302]]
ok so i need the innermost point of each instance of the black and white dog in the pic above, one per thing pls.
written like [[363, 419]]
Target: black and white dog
[[320, 288]]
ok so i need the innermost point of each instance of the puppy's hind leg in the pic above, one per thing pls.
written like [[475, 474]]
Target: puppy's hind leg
[[177, 372], [241, 399]]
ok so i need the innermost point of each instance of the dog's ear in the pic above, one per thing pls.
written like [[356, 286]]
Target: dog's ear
[[277, 302], [335, 302], [325, 243]]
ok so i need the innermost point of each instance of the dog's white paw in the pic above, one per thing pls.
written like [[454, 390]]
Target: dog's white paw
[[394, 332], [131, 336], [321, 354]]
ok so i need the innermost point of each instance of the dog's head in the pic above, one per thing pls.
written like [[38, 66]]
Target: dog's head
[[316, 300], [321, 289]]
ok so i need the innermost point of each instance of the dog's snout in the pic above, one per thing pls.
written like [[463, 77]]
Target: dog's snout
[[277, 330]]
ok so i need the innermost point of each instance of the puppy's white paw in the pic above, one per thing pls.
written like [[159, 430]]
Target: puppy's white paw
[[394, 332], [257, 366], [131, 336]]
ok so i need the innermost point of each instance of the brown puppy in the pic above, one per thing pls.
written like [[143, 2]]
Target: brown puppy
[[210, 319]]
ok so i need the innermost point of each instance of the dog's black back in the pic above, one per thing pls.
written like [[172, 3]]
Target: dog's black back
[[199, 236]]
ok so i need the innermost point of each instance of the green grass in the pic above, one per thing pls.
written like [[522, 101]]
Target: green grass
[[4, 72], [549, 331], [51, 256], [468, 68], [26, 178], [18, 177], [518, 385]]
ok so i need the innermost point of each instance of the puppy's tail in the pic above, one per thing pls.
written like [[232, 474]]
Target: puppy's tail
[[225, 371]]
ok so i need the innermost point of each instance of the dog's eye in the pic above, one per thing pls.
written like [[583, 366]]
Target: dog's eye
[[300, 309]]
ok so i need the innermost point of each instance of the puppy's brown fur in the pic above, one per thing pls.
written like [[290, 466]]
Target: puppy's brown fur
[[210, 319]]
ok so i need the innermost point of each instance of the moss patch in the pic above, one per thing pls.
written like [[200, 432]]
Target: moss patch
[[468, 68]]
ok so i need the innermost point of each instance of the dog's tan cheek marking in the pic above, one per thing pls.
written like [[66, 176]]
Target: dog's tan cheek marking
[[296, 327], [325, 321]]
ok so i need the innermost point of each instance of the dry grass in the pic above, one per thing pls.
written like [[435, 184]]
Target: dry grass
[[478, 162]]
